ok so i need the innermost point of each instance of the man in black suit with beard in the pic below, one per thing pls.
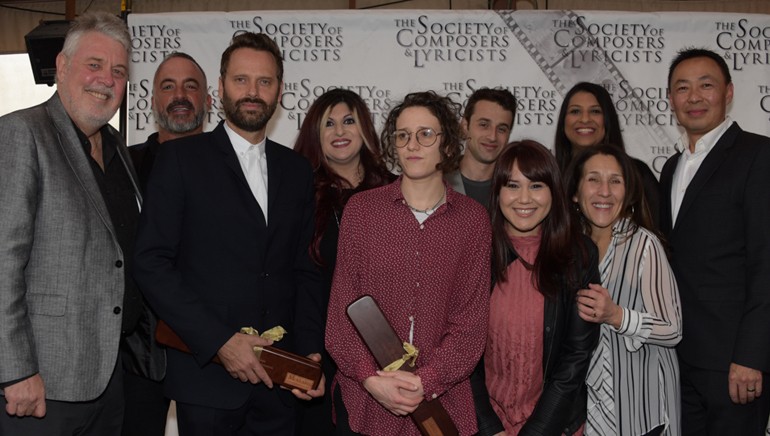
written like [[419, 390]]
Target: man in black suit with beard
[[223, 244]]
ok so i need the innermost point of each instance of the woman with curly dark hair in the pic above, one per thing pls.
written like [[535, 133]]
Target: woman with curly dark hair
[[338, 138], [421, 250]]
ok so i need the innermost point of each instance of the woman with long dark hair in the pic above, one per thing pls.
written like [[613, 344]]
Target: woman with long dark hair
[[338, 138], [539, 348], [633, 380], [588, 118]]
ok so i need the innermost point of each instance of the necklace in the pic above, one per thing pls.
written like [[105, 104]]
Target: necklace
[[429, 211]]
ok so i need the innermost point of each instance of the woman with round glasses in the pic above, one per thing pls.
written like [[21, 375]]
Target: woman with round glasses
[[339, 139], [408, 245]]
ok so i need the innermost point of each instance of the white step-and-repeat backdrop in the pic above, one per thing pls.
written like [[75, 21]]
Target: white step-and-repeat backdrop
[[538, 55]]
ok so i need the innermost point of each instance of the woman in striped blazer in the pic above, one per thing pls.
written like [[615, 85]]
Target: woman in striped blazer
[[633, 378]]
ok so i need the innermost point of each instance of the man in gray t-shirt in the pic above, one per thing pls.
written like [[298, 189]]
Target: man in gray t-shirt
[[487, 124]]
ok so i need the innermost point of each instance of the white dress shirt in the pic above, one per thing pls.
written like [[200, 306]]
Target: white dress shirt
[[690, 162], [253, 162]]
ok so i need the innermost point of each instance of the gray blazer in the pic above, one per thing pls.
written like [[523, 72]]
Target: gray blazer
[[61, 268]]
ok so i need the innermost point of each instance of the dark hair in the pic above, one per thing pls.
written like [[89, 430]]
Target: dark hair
[[503, 97], [693, 52], [183, 55], [612, 132], [556, 259], [254, 41], [634, 206], [447, 113], [330, 193]]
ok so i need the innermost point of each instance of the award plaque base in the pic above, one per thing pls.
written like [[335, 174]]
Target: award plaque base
[[284, 368]]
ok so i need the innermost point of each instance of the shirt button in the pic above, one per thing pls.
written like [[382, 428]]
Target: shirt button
[[418, 284], [403, 202], [422, 226], [434, 396], [116, 310], [417, 253], [118, 263]]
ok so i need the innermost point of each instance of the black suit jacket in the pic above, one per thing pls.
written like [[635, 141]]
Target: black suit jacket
[[720, 253], [209, 265]]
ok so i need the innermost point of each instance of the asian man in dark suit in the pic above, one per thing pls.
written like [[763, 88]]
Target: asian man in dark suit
[[223, 244], [715, 205]]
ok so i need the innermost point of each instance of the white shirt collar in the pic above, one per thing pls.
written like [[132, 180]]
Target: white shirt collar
[[241, 145], [706, 142]]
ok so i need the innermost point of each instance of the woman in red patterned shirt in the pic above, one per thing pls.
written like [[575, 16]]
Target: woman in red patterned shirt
[[422, 251]]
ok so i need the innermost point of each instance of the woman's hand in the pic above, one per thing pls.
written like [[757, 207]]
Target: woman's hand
[[596, 305], [398, 391]]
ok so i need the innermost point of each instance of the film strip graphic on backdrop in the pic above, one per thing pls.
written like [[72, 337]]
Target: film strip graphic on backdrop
[[539, 42]]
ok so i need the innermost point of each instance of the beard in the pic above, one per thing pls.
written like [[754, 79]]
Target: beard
[[251, 120], [173, 125]]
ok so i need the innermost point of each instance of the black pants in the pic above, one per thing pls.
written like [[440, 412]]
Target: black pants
[[100, 417], [343, 424], [708, 410], [257, 417], [146, 406]]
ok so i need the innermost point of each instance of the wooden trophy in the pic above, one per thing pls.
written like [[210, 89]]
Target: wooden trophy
[[430, 416]]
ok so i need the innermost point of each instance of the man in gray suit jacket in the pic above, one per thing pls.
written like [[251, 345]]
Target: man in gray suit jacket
[[69, 210]]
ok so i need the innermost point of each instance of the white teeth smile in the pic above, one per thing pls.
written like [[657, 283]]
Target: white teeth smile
[[585, 130], [524, 211], [340, 142], [98, 95], [601, 205]]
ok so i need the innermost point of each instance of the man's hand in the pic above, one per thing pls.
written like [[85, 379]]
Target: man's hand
[[315, 393], [26, 398], [238, 358], [745, 383], [398, 391]]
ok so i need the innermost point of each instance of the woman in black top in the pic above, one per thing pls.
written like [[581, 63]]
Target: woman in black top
[[338, 138]]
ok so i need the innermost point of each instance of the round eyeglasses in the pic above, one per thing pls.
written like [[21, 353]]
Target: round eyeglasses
[[425, 137]]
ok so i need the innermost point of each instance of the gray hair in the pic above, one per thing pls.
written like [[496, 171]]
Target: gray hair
[[102, 22]]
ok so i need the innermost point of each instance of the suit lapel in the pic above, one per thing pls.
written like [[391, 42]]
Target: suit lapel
[[77, 159], [222, 142], [125, 159], [666, 182], [275, 173], [710, 164]]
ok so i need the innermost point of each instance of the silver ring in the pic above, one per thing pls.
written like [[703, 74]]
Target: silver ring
[[750, 390]]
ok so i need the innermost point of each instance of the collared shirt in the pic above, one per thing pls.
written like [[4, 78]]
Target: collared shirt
[[436, 274], [242, 149], [120, 198], [689, 163]]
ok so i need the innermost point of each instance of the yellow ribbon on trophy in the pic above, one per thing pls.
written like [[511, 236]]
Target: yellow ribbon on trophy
[[275, 334], [409, 357]]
